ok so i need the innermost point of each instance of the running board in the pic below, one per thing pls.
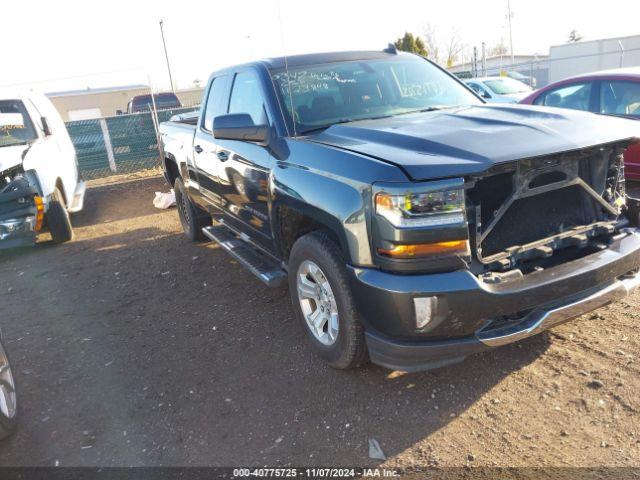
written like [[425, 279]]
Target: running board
[[263, 267]]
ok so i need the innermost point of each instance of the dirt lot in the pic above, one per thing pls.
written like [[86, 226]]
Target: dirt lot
[[132, 346]]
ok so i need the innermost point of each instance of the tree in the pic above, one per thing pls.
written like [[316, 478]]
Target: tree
[[497, 50], [454, 48], [411, 43], [431, 42], [196, 83], [574, 36]]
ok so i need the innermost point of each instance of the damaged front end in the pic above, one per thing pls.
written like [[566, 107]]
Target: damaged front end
[[21, 210], [532, 214]]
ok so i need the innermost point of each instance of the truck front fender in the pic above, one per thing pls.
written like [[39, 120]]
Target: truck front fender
[[339, 205]]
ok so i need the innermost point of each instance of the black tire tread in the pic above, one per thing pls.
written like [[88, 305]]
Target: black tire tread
[[197, 218], [58, 219], [331, 256]]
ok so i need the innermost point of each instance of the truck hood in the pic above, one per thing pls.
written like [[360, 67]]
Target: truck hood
[[468, 140], [11, 156]]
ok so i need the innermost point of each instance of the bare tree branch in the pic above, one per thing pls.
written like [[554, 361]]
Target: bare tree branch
[[454, 48], [430, 38]]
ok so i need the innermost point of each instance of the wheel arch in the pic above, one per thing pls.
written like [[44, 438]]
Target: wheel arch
[[171, 170], [304, 201], [296, 220], [60, 186]]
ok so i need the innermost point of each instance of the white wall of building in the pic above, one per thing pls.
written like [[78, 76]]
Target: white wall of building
[[585, 57]]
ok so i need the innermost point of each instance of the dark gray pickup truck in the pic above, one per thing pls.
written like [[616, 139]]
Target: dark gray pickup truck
[[414, 223]]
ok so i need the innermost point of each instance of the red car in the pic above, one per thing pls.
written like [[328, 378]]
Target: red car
[[612, 92]]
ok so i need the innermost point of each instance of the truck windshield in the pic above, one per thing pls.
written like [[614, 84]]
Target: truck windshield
[[16, 127], [322, 95]]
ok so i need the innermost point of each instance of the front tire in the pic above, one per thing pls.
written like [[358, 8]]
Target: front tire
[[8, 401], [323, 301], [58, 219], [193, 219]]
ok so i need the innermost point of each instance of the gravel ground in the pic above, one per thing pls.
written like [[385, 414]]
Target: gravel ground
[[132, 346]]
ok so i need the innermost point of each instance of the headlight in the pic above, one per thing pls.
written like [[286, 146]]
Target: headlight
[[428, 209], [422, 220]]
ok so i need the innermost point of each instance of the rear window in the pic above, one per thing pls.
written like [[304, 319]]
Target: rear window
[[162, 100]]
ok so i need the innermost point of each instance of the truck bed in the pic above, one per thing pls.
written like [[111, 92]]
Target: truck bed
[[178, 131]]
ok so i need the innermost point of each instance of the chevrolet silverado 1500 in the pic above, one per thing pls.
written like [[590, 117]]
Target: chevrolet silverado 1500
[[414, 223]]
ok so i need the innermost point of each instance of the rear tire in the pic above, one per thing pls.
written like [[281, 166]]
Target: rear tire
[[58, 219], [8, 403], [318, 252], [192, 218]]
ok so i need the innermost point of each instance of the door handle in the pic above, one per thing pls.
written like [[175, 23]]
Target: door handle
[[223, 156], [197, 149]]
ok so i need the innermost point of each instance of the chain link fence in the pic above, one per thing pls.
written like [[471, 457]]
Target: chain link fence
[[120, 144], [563, 63]]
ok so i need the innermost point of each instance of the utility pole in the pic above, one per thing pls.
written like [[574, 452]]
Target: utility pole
[[484, 60], [166, 55], [510, 16], [475, 62]]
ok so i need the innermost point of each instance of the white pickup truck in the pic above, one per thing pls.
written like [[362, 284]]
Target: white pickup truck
[[39, 180]]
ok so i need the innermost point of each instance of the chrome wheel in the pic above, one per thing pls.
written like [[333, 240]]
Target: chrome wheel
[[7, 387], [317, 302]]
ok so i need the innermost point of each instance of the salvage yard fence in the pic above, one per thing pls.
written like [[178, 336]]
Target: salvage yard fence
[[120, 144]]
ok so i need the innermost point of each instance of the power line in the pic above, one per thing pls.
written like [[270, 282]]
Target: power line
[[73, 77]]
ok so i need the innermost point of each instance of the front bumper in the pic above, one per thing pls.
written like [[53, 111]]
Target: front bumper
[[473, 316], [18, 216]]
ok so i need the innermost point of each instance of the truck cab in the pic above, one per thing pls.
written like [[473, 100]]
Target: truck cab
[[40, 185]]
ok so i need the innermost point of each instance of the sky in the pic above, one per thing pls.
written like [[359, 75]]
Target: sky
[[68, 44]]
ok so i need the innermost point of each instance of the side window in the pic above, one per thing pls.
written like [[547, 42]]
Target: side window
[[476, 88], [216, 101], [539, 100], [246, 97], [620, 98], [576, 96]]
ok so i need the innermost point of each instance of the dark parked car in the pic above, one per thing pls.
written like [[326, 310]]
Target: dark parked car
[[413, 223], [612, 92], [144, 103]]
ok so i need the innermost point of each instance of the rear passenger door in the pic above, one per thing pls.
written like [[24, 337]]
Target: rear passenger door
[[619, 97], [622, 97], [243, 167], [205, 147]]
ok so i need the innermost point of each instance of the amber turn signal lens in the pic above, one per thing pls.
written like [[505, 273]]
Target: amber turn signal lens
[[39, 213], [425, 249]]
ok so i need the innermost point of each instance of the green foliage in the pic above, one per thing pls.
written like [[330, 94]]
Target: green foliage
[[411, 43]]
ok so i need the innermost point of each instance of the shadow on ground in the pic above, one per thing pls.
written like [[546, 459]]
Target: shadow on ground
[[140, 348], [134, 199]]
